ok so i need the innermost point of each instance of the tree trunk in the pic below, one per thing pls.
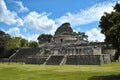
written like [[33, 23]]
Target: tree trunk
[[117, 54]]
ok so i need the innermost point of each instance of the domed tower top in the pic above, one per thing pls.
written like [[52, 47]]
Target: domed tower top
[[64, 29]]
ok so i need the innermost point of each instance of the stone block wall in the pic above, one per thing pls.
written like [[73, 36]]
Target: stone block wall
[[36, 60], [110, 52], [72, 60], [97, 50], [84, 60]]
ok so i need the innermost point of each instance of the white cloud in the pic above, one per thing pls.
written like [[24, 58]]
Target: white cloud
[[32, 37], [9, 17], [22, 8], [39, 22], [24, 29], [95, 35], [86, 16], [15, 32]]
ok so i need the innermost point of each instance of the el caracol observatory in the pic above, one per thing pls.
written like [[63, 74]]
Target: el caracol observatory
[[64, 32]]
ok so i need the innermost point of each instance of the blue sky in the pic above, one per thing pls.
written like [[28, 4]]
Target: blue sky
[[30, 18]]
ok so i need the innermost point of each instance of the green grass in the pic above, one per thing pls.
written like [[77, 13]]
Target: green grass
[[17, 71]]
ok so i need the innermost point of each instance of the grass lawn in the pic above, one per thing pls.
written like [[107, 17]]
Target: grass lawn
[[17, 71]]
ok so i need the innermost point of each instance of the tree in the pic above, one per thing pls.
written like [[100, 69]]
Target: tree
[[82, 36], [4, 39], [2, 33], [14, 43], [44, 38], [24, 42], [9, 45], [110, 27], [33, 44]]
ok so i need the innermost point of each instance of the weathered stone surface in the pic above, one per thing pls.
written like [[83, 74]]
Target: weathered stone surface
[[36, 60], [85, 60], [64, 29], [71, 60]]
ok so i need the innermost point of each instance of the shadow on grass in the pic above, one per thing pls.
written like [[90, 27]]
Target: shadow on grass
[[110, 77]]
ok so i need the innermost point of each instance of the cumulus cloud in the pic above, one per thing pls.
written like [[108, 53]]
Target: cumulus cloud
[[22, 8], [9, 17], [32, 37], [86, 16], [95, 35], [16, 32], [39, 22]]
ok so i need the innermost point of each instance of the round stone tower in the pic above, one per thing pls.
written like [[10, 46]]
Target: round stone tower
[[64, 33]]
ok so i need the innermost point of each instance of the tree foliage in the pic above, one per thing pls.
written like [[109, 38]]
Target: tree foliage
[[110, 27], [4, 39], [33, 44], [24, 42], [14, 43], [44, 38], [8, 44], [82, 36]]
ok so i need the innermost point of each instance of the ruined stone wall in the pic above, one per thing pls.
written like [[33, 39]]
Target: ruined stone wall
[[75, 50], [97, 50], [71, 60], [62, 38], [111, 52]]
